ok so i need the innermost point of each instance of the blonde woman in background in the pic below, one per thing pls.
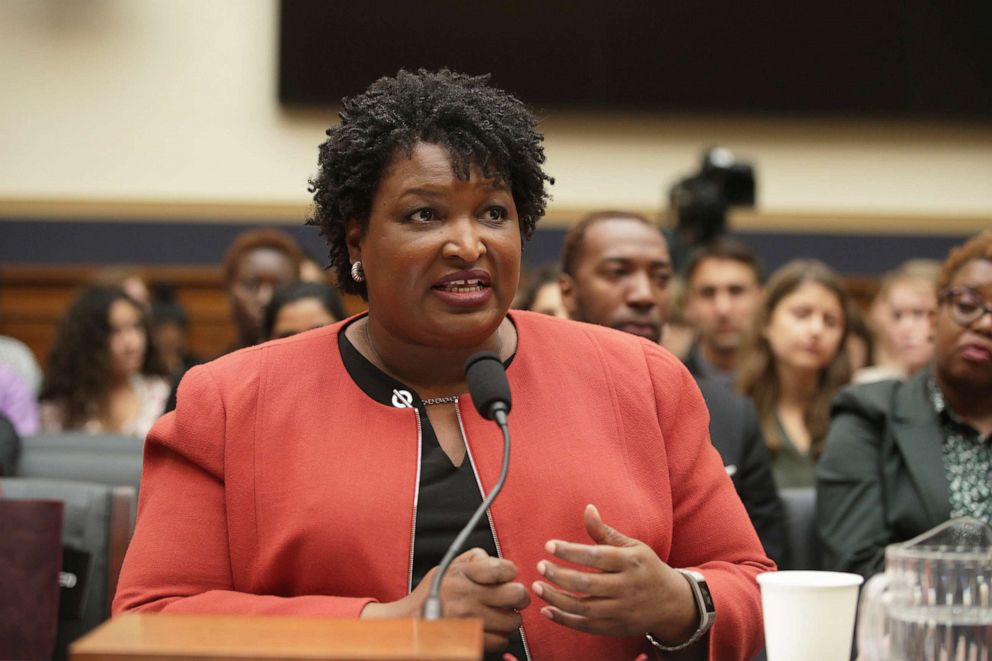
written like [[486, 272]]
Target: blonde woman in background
[[901, 318]]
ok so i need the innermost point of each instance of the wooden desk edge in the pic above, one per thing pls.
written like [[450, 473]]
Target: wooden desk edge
[[164, 637]]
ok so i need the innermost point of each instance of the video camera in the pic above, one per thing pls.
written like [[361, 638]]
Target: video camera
[[700, 201]]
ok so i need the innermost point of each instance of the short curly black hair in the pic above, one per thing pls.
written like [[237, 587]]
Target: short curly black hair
[[476, 123]]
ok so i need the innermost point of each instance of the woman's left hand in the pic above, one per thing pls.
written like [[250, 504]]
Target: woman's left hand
[[627, 590]]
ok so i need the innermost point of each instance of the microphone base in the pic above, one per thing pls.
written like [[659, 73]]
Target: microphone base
[[432, 609]]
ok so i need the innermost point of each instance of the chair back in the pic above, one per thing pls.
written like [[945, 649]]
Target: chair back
[[803, 550], [112, 459], [96, 529]]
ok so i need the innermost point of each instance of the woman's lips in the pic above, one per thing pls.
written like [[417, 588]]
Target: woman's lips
[[467, 288], [976, 353], [464, 293]]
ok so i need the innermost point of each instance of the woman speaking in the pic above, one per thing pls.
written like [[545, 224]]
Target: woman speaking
[[327, 473]]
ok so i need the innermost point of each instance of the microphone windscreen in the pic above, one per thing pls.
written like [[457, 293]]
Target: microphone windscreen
[[487, 382]]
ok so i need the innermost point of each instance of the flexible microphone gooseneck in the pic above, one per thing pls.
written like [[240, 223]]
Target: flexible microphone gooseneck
[[490, 392]]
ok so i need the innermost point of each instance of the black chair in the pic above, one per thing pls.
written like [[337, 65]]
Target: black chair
[[803, 550], [97, 527]]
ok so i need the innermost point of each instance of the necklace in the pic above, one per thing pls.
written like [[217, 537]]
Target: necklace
[[450, 399], [431, 401]]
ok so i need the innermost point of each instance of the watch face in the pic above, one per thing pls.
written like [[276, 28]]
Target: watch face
[[704, 591], [707, 598]]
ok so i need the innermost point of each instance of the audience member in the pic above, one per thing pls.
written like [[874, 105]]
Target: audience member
[[795, 364], [904, 456], [103, 371], [616, 272], [257, 262], [615, 269], [17, 356], [542, 294], [723, 292], [170, 331], [902, 319], [17, 402], [301, 306]]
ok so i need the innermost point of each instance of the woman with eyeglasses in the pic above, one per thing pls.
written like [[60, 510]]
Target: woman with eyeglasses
[[904, 456]]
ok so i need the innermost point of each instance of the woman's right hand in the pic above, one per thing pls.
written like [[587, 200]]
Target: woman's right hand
[[476, 585]]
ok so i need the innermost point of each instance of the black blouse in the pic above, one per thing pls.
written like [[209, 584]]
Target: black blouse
[[448, 494]]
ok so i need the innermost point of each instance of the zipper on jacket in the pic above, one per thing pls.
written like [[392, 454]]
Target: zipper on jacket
[[489, 516], [416, 499]]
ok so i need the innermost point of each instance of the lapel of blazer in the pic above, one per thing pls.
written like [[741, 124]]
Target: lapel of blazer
[[919, 437]]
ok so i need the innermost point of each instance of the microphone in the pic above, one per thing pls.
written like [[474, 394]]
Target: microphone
[[490, 392], [488, 386]]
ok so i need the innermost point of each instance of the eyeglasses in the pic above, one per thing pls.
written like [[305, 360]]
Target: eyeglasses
[[966, 306]]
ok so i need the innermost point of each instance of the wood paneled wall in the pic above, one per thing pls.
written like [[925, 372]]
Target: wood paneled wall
[[34, 298]]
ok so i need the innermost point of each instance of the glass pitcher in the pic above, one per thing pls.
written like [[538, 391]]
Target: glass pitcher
[[933, 602]]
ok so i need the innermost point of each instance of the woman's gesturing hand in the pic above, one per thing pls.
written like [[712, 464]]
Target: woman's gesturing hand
[[627, 589], [475, 585]]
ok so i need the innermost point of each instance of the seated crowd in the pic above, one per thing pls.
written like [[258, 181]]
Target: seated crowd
[[891, 427]]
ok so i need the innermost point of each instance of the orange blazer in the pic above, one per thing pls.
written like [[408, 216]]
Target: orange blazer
[[277, 486]]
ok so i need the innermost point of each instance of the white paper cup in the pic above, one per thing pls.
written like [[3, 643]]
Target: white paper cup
[[809, 615]]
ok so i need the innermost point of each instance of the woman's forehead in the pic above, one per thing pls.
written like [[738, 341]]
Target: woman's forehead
[[975, 274], [432, 163]]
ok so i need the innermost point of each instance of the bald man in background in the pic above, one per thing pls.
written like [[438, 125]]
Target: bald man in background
[[615, 272]]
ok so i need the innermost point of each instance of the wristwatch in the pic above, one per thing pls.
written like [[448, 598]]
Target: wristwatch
[[707, 612]]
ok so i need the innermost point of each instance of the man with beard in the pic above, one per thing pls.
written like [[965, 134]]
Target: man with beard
[[615, 272]]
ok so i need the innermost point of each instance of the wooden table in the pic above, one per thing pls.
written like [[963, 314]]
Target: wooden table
[[161, 637]]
